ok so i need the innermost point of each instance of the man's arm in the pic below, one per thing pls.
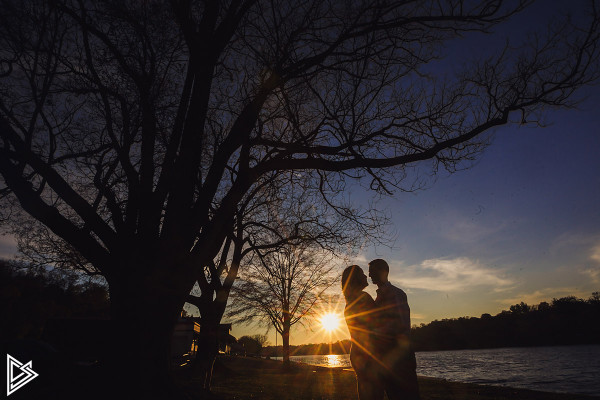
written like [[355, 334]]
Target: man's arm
[[393, 314], [402, 311]]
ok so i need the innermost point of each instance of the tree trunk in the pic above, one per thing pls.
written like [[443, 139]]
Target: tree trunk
[[208, 348], [211, 304], [211, 313], [144, 313], [285, 337]]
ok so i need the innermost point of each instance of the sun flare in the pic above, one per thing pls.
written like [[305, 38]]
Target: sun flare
[[330, 322]]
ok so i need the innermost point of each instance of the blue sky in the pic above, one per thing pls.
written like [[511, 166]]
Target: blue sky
[[522, 224]]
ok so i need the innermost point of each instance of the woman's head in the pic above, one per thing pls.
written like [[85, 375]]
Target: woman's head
[[353, 280]]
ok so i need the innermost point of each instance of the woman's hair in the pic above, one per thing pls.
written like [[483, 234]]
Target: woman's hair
[[350, 283]]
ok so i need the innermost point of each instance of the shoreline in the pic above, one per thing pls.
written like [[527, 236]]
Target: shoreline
[[536, 368], [242, 378]]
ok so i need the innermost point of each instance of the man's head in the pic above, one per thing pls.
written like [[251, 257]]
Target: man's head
[[378, 271]]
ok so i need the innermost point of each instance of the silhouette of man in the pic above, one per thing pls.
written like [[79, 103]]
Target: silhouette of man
[[398, 372]]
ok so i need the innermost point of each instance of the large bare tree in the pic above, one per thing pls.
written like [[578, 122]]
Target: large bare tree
[[133, 132]]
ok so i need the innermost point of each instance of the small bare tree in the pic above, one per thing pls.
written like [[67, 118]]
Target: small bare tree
[[281, 287], [284, 210]]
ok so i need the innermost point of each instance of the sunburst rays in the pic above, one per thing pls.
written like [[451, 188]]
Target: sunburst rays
[[330, 322], [331, 332]]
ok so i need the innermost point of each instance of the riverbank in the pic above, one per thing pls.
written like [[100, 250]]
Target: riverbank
[[243, 378]]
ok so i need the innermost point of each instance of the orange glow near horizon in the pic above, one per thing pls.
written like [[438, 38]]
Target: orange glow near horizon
[[328, 319]]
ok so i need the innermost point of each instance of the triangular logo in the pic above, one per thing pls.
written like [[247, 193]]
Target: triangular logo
[[18, 374]]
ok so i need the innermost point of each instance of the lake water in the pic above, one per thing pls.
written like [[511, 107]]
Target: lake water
[[565, 369]]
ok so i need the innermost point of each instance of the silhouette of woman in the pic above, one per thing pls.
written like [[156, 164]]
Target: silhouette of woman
[[358, 313]]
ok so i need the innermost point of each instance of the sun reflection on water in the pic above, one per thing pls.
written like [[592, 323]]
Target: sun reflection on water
[[334, 360], [327, 360]]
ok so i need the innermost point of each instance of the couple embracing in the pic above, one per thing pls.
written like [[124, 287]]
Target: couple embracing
[[381, 354]]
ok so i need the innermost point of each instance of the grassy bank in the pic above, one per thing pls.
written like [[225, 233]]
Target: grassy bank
[[251, 378]]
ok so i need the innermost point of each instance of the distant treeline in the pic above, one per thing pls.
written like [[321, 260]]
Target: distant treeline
[[565, 321], [340, 347], [31, 297]]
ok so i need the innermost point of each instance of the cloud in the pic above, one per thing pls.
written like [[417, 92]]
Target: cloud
[[546, 294], [417, 317], [577, 242], [593, 270], [593, 273], [579, 252], [361, 259], [450, 275], [595, 254]]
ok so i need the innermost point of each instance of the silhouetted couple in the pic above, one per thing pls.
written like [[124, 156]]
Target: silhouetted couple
[[381, 354]]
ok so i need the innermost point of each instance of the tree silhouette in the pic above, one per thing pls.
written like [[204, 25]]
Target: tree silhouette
[[283, 212], [281, 288], [132, 133], [251, 345], [32, 297], [567, 321]]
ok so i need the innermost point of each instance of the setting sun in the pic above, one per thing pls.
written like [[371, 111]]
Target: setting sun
[[330, 322]]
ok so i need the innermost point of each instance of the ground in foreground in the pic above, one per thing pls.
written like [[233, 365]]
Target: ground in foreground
[[252, 378]]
